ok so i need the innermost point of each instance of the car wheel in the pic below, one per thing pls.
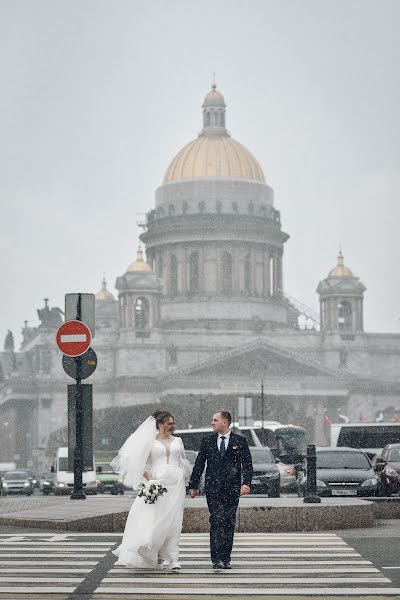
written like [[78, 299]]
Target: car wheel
[[122, 492]]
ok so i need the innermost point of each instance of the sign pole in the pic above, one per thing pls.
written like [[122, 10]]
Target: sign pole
[[78, 494]]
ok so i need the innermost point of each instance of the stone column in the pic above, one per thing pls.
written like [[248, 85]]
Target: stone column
[[275, 274], [267, 274], [280, 274]]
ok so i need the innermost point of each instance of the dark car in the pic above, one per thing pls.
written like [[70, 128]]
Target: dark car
[[16, 482], [46, 483], [387, 466], [32, 477], [344, 472], [266, 476], [108, 480]]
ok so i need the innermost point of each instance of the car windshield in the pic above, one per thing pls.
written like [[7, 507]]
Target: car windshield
[[342, 460], [16, 475], [106, 468], [394, 454], [261, 455]]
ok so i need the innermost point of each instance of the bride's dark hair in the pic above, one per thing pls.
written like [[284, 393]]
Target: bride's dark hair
[[161, 416]]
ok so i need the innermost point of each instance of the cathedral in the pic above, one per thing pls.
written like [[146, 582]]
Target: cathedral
[[202, 320]]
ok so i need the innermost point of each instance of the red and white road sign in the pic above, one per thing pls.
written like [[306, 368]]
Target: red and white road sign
[[73, 338]]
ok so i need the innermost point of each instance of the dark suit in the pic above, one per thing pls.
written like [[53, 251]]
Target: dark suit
[[224, 478]]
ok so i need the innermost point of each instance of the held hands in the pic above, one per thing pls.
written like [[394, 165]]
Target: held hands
[[194, 493], [244, 490]]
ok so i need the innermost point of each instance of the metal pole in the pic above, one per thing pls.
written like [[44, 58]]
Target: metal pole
[[78, 494], [310, 495], [262, 404]]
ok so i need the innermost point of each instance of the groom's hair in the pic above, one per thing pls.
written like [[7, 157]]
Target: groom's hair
[[226, 415]]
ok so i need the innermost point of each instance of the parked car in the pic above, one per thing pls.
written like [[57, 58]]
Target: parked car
[[16, 482], [288, 477], [108, 480], [266, 476], [46, 483], [191, 456], [33, 479], [387, 467], [344, 472]]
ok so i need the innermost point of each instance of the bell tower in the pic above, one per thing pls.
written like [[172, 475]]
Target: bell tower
[[341, 297]]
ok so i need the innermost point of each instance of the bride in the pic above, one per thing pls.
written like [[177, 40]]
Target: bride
[[152, 531]]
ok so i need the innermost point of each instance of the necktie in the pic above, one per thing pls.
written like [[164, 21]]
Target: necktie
[[222, 446]]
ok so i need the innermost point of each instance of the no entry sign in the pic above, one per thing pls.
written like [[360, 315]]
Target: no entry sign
[[73, 338]]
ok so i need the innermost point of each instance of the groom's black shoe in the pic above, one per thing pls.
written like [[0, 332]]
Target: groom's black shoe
[[218, 565], [227, 565]]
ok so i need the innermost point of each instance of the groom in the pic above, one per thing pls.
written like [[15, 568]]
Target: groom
[[228, 463]]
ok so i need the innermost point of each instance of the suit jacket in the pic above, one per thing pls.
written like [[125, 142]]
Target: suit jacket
[[223, 474]]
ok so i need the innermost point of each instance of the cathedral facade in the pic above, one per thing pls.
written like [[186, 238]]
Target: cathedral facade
[[203, 320]]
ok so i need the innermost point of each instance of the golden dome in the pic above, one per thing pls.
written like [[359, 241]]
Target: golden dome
[[340, 270], [214, 156], [104, 295], [140, 265], [214, 97], [214, 153]]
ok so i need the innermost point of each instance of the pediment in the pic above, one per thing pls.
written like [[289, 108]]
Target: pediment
[[258, 360]]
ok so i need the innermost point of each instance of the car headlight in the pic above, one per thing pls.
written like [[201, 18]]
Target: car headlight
[[369, 482], [61, 484], [27, 484], [321, 483], [4, 484], [46, 483], [34, 481]]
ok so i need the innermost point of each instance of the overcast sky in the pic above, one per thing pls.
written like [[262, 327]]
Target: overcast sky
[[98, 96]]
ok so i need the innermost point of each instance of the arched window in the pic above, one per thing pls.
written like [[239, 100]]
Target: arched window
[[174, 275], [345, 315], [194, 273], [227, 274], [247, 274], [141, 313]]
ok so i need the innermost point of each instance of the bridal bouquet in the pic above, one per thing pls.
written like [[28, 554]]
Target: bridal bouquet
[[151, 490]]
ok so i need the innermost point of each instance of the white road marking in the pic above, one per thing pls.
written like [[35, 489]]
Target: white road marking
[[263, 571], [49, 554], [40, 580], [44, 570], [56, 563], [254, 580], [134, 591], [48, 589]]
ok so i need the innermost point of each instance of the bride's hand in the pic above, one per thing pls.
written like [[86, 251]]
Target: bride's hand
[[147, 476]]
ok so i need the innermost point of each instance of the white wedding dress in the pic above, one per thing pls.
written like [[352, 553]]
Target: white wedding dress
[[152, 531]]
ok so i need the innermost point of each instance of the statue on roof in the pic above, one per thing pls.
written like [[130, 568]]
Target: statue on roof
[[9, 342], [50, 317]]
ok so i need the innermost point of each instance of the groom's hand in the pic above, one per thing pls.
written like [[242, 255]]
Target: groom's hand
[[194, 493], [244, 490]]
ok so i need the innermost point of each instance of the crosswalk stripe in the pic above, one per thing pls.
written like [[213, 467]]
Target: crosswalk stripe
[[104, 545], [312, 569], [43, 570], [49, 562], [213, 580], [37, 590], [322, 591], [47, 555]]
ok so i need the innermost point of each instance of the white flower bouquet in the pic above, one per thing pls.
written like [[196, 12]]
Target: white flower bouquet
[[151, 491]]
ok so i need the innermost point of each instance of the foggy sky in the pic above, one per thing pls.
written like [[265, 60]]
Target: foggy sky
[[98, 96]]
